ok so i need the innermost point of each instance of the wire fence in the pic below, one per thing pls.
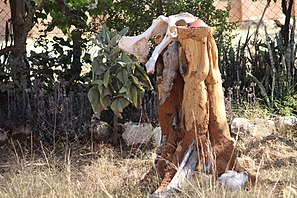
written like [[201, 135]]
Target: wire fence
[[4, 17], [241, 11], [250, 10]]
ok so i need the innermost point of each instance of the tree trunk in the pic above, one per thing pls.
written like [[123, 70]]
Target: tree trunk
[[195, 109], [21, 18], [76, 34], [287, 6], [159, 5]]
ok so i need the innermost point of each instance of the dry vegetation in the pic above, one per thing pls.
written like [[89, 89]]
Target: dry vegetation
[[82, 170]]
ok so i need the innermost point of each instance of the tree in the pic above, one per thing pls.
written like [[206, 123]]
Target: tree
[[73, 14], [20, 73], [138, 14], [22, 13], [118, 80]]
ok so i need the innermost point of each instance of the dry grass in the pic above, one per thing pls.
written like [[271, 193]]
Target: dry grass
[[72, 171], [75, 171]]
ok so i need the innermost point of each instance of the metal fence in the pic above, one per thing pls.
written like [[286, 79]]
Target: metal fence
[[241, 11], [250, 10], [4, 17]]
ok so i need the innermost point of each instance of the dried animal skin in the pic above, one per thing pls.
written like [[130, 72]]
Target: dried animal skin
[[171, 65]]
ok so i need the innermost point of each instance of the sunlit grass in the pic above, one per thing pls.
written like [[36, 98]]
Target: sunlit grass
[[82, 170]]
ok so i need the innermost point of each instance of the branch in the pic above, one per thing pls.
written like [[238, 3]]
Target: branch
[[272, 64], [19, 45], [73, 19], [7, 50], [65, 9], [287, 11], [261, 87], [261, 19], [284, 7]]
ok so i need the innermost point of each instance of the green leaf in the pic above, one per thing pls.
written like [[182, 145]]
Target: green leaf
[[122, 75], [118, 105], [145, 82], [115, 51], [94, 98], [123, 64], [113, 34], [100, 89], [95, 66], [114, 41], [106, 92], [98, 67], [144, 77], [134, 95], [124, 89], [126, 59], [102, 34], [124, 31], [98, 82], [106, 78], [105, 102], [136, 82]]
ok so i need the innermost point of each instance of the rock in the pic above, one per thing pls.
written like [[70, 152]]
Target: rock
[[137, 133], [242, 126], [157, 136], [263, 127], [100, 131], [232, 180], [256, 128], [287, 121]]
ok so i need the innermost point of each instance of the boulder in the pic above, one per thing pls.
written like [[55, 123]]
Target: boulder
[[135, 133], [232, 180], [256, 128], [242, 126], [263, 127], [287, 121], [100, 131]]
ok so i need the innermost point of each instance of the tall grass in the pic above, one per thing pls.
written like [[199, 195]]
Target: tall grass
[[76, 170]]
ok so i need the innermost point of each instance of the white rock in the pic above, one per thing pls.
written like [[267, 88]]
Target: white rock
[[157, 135], [263, 127], [286, 121], [135, 133], [232, 180], [256, 128], [242, 125]]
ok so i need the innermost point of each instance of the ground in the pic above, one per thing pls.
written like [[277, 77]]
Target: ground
[[85, 169]]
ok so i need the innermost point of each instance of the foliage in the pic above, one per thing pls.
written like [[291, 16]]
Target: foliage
[[287, 105], [267, 64], [138, 15], [118, 79], [77, 20], [71, 12], [54, 61]]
